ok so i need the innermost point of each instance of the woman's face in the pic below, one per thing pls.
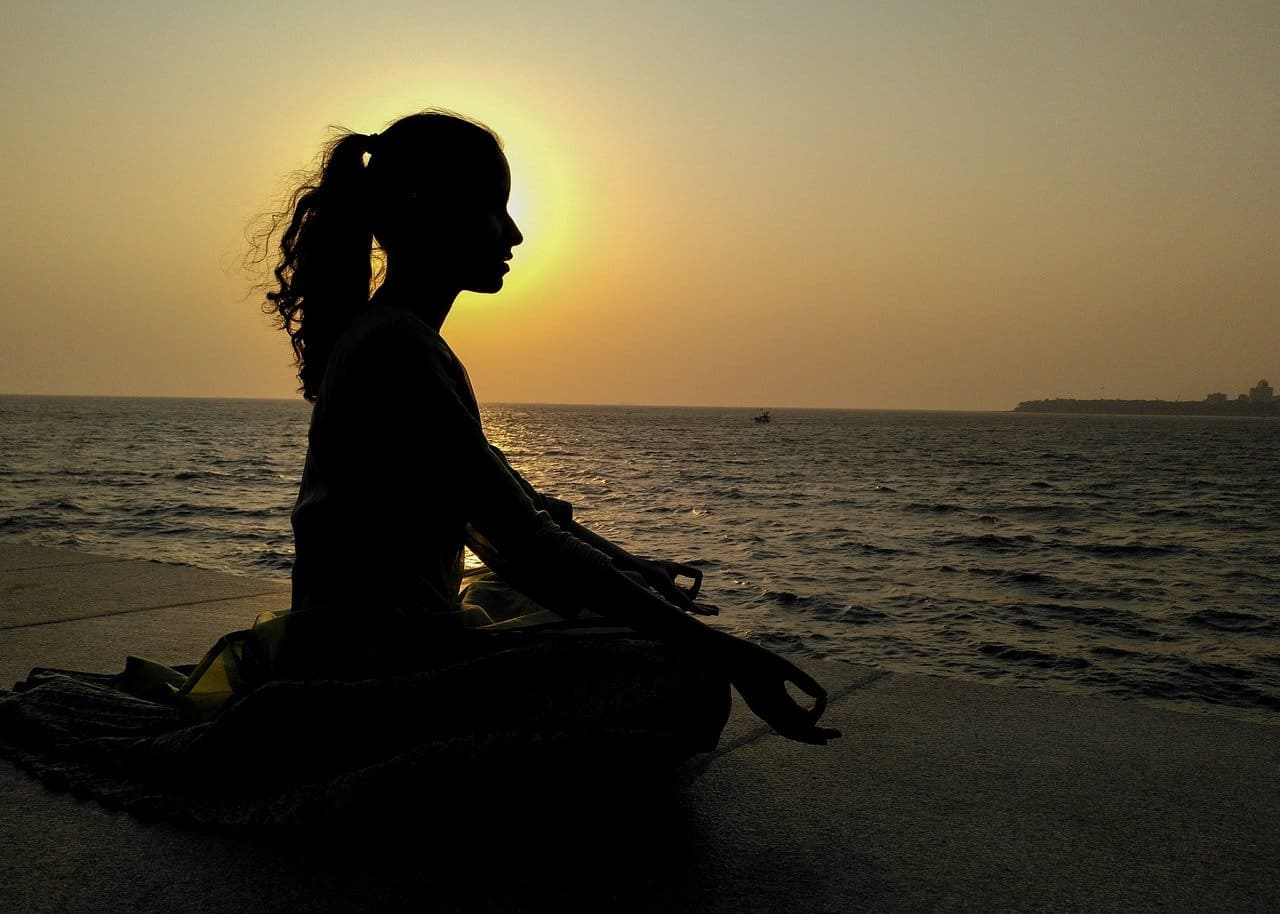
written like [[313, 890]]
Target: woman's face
[[467, 234]]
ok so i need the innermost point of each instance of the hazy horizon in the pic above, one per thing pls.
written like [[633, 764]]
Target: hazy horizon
[[859, 207], [776, 407]]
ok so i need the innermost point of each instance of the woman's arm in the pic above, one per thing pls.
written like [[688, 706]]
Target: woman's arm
[[759, 675], [659, 574], [420, 412], [559, 509], [560, 568]]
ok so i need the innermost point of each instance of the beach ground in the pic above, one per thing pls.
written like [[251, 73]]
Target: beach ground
[[943, 795]]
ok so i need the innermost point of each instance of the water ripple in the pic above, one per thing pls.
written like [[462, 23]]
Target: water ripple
[[1129, 556]]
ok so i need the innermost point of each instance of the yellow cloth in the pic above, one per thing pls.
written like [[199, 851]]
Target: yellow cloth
[[243, 659]]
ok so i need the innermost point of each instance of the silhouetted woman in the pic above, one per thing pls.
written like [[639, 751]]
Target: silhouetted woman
[[391, 663], [399, 476]]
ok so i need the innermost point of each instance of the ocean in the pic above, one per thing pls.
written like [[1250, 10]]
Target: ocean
[[1134, 556]]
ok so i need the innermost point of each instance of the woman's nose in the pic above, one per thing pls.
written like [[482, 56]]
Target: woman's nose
[[513, 232]]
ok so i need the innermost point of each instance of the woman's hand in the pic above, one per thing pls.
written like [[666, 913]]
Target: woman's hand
[[761, 678], [661, 575]]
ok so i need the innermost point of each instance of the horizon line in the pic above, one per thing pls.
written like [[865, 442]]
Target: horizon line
[[622, 405]]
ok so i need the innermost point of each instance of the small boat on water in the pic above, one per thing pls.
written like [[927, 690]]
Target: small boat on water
[[762, 416]]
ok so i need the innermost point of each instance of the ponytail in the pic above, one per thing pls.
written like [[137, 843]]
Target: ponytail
[[325, 267], [324, 272]]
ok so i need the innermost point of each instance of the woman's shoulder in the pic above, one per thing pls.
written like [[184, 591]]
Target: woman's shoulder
[[381, 326], [381, 338], [385, 347]]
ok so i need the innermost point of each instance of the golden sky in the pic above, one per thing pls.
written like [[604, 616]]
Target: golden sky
[[919, 205]]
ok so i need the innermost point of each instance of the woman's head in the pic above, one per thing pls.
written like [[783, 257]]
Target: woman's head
[[432, 191], [438, 190]]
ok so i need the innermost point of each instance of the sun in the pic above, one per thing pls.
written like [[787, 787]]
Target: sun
[[545, 201]]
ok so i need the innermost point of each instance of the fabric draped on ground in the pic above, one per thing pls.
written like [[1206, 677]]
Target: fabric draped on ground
[[296, 752]]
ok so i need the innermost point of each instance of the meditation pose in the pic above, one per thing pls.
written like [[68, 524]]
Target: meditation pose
[[399, 476], [390, 646]]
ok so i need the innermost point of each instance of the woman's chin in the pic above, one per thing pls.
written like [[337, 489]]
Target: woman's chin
[[486, 286]]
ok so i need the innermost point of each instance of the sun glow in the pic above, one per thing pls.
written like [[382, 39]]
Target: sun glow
[[850, 207], [545, 201]]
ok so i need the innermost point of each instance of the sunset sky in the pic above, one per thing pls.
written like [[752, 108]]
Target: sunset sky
[[919, 205]]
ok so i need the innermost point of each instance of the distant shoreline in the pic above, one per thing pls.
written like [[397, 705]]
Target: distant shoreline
[[1059, 406], [1151, 407]]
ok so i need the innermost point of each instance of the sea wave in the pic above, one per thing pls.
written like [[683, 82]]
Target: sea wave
[[1117, 557]]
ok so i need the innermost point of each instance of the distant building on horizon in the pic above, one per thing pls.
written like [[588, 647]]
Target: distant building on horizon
[[1262, 392], [1261, 400]]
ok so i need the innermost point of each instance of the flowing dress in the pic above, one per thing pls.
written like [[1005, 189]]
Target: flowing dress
[[392, 660]]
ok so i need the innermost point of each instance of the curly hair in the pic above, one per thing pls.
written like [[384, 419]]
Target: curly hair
[[325, 271]]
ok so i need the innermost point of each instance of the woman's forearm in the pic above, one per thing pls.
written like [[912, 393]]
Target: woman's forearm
[[640, 608], [620, 556], [557, 567], [652, 574]]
